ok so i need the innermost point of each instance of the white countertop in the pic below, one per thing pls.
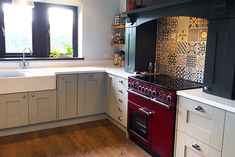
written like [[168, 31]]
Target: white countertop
[[199, 95], [31, 78]]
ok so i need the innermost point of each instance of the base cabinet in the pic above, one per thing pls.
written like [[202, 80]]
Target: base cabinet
[[117, 99], [187, 146], [13, 110], [42, 106], [229, 136], [67, 96], [91, 93]]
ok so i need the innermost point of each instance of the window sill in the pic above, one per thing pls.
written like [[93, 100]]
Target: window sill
[[40, 58]]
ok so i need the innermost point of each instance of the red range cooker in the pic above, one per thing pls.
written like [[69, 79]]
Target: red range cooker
[[151, 111]]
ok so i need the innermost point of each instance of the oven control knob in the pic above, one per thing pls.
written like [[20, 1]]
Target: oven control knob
[[129, 84], [169, 98], [143, 89], [146, 90], [150, 91], [132, 85], [154, 93], [139, 88]]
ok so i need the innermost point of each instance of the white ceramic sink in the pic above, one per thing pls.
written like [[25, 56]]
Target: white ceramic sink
[[18, 80], [7, 74]]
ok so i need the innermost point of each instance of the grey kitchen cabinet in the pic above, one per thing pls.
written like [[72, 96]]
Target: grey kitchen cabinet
[[42, 106], [117, 99], [13, 110], [91, 94], [111, 95], [188, 146], [229, 136], [201, 121], [67, 96]]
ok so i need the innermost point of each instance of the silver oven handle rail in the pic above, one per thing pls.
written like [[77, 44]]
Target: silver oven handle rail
[[135, 93], [148, 113], [160, 103], [151, 99]]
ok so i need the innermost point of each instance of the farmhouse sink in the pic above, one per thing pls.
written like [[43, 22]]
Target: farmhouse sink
[[7, 74], [19, 80]]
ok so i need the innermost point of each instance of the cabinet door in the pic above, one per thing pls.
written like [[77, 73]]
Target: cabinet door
[[67, 96], [189, 147], [112, 96], [91, 94], [13, 110], [229, 136], [42, 106], [201, 121], [220, 58]]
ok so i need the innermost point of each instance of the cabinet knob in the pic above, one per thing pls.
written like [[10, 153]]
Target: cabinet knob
[[110, 78], [119, 109], [121, 81], [121, 91], [62, 79], [119, 118], [199, 108], [32, 95], [205, 88], [23, 96], [120, 100], [197, 147]]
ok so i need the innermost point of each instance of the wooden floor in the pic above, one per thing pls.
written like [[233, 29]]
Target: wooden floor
[[94, 139]]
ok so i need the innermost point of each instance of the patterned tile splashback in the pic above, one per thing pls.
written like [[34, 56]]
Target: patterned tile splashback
[[181, 47]]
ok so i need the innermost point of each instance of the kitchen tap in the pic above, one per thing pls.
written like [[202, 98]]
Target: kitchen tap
[[24, 64]]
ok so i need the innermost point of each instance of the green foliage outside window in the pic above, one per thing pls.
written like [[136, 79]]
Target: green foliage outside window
[[67, 51]]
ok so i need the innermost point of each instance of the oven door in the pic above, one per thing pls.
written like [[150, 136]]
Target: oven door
[[139, 123]]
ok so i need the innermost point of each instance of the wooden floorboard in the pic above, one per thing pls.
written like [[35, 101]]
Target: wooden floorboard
[[93, 139]]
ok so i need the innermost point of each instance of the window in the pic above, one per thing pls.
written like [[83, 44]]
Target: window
[[49, 30], [18, 28], [61, 38]]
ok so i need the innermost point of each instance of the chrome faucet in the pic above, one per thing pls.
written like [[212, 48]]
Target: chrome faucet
[[24, 64]]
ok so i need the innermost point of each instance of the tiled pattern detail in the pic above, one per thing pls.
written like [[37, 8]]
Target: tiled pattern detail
[[181, 47]]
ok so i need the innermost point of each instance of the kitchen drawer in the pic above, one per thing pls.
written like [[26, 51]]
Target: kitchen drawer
[[201, 121], [121, 83], [189, 147], [121, 114]]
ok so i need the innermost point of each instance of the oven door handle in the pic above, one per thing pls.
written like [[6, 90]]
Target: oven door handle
[[143, 110], [160, 103], [135, 93]]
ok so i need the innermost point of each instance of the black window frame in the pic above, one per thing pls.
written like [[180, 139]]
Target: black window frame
[[40, 28]]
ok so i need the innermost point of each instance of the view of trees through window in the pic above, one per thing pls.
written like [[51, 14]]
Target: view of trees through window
[[61, 31]]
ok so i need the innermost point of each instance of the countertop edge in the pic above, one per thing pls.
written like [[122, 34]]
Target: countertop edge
[[200, 96]]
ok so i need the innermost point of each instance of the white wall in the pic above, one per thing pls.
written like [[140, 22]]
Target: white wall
[[98, 17], [122, 5]]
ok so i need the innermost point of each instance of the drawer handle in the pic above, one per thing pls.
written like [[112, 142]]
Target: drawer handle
[[33, 95], [90, 76], [199, 108], [120, 81], [120, 100], [119, 109], [197, 147], [121, 91], [23, 96], [119, 118]]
